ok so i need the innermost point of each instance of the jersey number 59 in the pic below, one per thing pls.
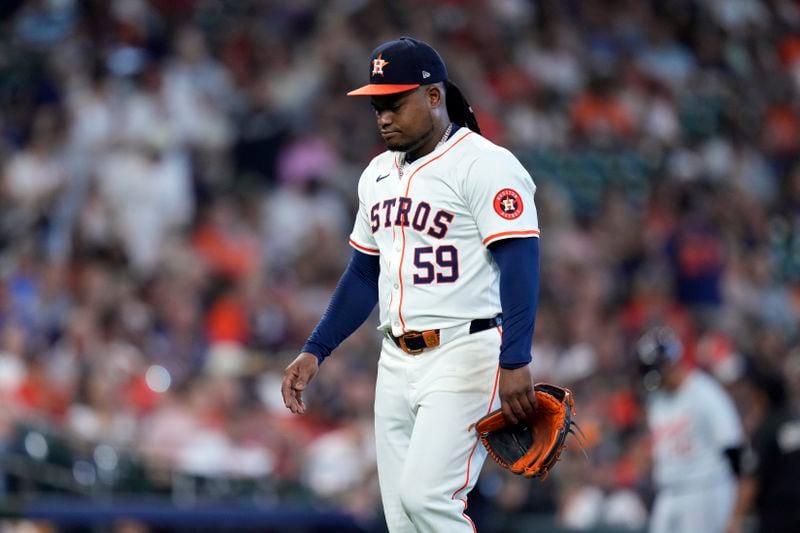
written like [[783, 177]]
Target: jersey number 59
[[445, 258]]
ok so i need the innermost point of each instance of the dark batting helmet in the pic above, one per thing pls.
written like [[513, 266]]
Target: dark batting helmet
[[656, 349]]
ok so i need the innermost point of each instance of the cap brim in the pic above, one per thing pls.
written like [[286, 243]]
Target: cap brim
[[377, 89]]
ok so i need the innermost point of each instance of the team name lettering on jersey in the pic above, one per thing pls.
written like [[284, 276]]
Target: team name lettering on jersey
[[674, 436], [402, 211]]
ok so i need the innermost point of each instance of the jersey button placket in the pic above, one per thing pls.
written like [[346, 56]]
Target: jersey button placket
[[397, 248], [394, 263]]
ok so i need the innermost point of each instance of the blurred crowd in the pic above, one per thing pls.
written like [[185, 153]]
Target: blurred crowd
[[178, 179]]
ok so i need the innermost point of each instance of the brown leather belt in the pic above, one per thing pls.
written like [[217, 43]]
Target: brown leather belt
[[415, 342]]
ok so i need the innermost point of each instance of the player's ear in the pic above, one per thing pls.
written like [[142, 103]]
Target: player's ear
[[435, 95]]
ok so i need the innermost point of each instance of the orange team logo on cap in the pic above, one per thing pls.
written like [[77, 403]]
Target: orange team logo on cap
[[377, 65]]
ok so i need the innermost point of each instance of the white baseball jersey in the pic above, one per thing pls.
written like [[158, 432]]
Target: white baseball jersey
[[691, 429], [431, 221]]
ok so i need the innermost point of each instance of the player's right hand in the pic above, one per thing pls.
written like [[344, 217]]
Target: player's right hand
[[295, 379], [517, 399]]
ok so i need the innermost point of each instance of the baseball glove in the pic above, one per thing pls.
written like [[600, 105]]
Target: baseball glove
[[532, 447]]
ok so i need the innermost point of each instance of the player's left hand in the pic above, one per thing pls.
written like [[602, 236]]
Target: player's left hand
[[517, 399], [295, 378]]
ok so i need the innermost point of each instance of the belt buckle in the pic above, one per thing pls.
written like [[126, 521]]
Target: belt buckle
[[410, 335]]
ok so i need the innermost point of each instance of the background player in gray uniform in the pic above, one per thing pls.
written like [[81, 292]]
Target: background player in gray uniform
[[696, 439]]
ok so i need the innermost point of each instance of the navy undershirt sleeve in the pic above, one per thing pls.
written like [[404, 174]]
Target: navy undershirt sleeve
[[351, 304], [518, 260]]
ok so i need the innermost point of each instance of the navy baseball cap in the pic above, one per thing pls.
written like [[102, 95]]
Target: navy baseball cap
[[401, 65]]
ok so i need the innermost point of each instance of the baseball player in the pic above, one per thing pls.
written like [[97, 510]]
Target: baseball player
[[697, 439], [445, 240]]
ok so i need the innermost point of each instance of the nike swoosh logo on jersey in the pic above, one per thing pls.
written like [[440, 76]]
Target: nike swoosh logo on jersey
[[382, 177]]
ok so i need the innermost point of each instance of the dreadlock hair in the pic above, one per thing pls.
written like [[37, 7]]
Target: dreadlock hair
[[458, 108]]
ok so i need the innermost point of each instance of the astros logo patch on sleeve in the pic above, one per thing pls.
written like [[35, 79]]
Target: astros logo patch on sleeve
[[508, 204]]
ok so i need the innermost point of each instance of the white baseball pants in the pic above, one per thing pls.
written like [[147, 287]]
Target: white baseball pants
[[701, 509], [428, 455]]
